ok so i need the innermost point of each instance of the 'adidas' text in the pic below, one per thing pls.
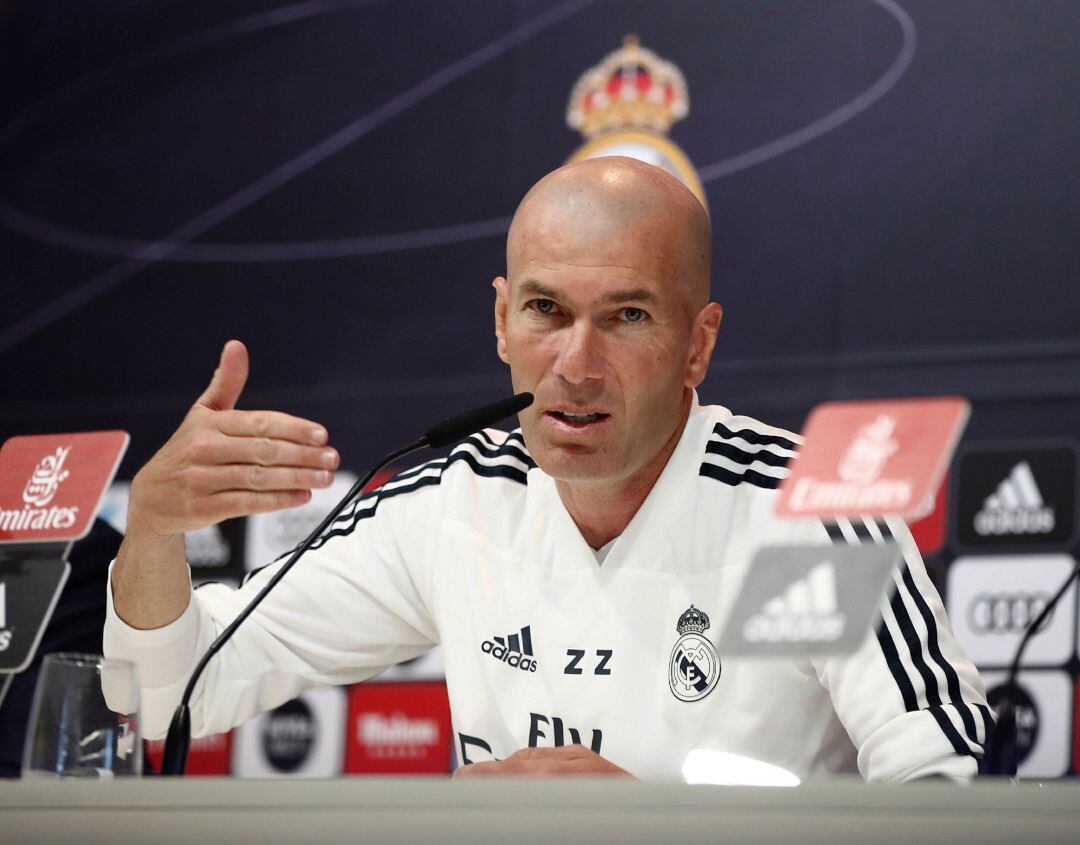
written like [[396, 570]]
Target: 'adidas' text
[[515, 650]]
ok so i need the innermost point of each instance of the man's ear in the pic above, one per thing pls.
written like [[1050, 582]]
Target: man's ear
[[502, 303], [702, 340]]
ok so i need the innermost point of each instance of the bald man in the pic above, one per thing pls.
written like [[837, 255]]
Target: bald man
[[570, 569]]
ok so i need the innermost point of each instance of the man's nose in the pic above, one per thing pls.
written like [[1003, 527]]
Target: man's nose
[[581, 356]]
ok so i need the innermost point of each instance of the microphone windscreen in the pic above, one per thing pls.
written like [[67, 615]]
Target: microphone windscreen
[[451, 430]]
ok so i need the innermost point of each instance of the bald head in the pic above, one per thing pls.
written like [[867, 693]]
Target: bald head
[[608, 205]]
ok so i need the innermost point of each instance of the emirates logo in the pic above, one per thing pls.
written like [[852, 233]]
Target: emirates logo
[[865, 458], [46, 478]]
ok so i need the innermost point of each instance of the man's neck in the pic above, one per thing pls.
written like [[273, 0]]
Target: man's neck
[[602, 511]]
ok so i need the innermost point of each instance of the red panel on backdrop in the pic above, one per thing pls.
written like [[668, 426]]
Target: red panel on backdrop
[[929, 532], [51, 484], [883, 457], [208, 755], [400, 728]]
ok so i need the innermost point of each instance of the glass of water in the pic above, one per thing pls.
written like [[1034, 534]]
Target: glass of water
[[84, 721]]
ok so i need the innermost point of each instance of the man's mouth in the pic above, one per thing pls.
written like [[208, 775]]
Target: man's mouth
[[582, 420]]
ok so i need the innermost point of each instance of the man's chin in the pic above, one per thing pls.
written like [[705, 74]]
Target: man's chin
[[574, 463]]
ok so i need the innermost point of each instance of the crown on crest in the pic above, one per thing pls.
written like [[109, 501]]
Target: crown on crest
[[631, 88], [693, 620]]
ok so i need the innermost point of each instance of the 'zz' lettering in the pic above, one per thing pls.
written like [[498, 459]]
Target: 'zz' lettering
[[576, 655]]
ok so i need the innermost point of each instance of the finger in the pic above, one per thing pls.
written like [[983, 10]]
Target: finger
[[257, 477], [485, 769], [270, 424], [229, 378], [233, 503], [217, 449], [562, 752]]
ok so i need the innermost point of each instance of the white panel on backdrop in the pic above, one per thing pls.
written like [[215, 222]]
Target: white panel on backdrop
[[207, 548], [272, 534], [304, 737], [114, 505], [993, 599], [1043, 720]]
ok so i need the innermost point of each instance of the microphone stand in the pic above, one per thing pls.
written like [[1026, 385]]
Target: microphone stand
[[178, 739]]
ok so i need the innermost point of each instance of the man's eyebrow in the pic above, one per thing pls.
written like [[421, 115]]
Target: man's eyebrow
[[632, 295], [534, 288]]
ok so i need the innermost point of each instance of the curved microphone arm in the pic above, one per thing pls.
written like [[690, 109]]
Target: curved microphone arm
[[442, 434], [1001, 751], [178, 739]]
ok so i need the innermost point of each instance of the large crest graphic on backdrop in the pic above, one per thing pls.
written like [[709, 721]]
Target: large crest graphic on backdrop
[[625, 106]]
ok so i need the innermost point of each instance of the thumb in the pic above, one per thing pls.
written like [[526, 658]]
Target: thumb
[[229, 379]]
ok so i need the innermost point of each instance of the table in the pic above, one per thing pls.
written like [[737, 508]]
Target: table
[[387, 810]]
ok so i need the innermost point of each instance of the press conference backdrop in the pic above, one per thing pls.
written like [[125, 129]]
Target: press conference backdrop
[[893, 187]]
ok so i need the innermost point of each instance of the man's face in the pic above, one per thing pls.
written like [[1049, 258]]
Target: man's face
[[600, 331]]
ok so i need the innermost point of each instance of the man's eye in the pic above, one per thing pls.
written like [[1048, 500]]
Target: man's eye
[[634, 315], [543, 306]]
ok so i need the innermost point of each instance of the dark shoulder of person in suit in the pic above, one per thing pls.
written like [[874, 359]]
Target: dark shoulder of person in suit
[[76, 625]]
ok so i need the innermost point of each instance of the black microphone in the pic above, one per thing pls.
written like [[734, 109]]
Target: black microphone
[[1001, 753], [451, 430], [174, 759]]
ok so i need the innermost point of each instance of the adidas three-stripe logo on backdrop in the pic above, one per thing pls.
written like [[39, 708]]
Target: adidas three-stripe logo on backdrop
[[1016, 507]]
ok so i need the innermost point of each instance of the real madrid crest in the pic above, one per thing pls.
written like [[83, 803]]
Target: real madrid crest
[[625, 106], [694, 668]]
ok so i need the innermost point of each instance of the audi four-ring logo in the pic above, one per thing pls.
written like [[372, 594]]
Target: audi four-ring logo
[[1006, 613]]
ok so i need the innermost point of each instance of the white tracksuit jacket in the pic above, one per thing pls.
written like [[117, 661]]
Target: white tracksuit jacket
[[543, 645]]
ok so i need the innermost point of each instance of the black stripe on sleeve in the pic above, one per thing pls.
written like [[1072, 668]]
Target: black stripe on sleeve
[[412, 472], [487, 438], [358, 510], [885, 640], [343, 527], [950, 731], [513, 446], [914, 644], [988, 728], [910, 638], [861, 531], [735, 478], [930, 682], [892, 660], [741, 456], [952, 680], [987, 720], [835, 534], [758, 439]]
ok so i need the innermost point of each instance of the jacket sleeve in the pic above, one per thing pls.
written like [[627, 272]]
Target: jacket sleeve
[[354, 605], [910, 698]]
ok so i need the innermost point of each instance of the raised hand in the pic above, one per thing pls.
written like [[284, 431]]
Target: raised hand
[[223, 463]]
